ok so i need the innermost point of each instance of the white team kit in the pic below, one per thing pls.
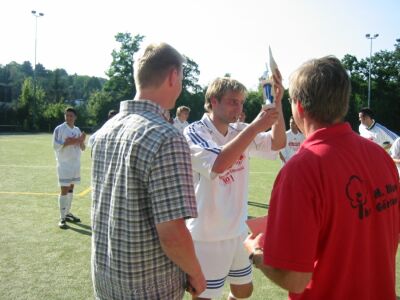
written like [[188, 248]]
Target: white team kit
[[293, 142], [395, 152], [377, 133], [180, 125], [69, 157], [221, 203]]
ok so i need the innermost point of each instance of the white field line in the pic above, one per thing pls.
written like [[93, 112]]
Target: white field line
[[35, 167], [81, 194]]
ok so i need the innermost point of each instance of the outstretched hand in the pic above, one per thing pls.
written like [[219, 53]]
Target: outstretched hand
[[265, 119], [196, 284], [254, 241]]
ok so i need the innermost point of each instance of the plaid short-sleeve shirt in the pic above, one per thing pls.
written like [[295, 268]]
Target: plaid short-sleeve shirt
[[141, 176]]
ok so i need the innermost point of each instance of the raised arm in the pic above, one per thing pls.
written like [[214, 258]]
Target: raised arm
[[278, 130], [232, 150]]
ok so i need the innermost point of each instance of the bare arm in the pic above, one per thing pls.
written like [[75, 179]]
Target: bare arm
[[232, 150], [177, 244], [291, 281], [282, 158], [278, 130]]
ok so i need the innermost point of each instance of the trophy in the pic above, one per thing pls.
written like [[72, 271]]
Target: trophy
[[266, 82]]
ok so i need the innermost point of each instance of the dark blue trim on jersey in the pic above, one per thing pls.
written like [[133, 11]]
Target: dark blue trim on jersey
[[387, 131], [240, 273], [198, 140], [215, 284]]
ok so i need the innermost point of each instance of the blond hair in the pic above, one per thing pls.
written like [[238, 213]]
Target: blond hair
[[323, 88], [181, 109], [219, 87], [152, 68]]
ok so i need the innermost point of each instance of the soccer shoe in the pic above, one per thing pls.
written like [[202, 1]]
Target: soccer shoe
[[62, 224], [71, 218]]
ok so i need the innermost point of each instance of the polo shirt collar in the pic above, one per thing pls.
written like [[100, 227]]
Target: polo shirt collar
[[327, 133], [372, 125], [131, 106]]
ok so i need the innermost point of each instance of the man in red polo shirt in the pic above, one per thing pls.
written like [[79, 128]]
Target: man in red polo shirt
[[333, 222]]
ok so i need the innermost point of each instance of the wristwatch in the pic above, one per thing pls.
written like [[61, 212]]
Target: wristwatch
[[251, 256]]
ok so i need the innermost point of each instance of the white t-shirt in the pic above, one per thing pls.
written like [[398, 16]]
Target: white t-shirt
[[221, 198], [395, 152], [377, 133], [70, 154], [180, 125], [293, 142]]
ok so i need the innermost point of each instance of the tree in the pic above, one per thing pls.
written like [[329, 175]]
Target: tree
[[191, 73], [385, 86], [30, 106], [121, 84], [99, 104]]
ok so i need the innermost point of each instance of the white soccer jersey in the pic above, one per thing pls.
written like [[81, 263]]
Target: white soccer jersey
[[180, 125], [395, 152], [377, 133], [221, 198], [293, 142], [68, 157]]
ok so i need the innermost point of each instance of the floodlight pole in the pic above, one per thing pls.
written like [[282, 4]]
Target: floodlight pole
[[370, 37], [36, 15]]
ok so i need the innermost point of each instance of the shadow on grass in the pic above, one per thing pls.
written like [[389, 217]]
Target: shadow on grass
[[84, 229], [256, 204]]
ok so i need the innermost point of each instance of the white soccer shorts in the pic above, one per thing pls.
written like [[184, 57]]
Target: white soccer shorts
[[223, 260]]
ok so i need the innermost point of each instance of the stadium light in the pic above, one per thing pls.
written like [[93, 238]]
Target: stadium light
[[370, 37], [36, 15]]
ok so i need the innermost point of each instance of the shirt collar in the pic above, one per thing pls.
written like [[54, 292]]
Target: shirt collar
[[372, 125], [326, 133], [131, 106]]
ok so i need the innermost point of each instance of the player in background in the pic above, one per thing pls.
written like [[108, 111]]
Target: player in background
[[68, 143], [294, 138], [180, 121], [372, 130]]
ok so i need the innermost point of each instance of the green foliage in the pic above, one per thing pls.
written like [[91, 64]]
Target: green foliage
[[190, 76], [54, 89], [385, 87], [31, 102], [121, 83], [99, 104], [195, 101], [53, 115], [253, 104]]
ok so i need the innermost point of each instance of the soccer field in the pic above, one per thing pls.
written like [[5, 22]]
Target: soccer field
[[40, 261]]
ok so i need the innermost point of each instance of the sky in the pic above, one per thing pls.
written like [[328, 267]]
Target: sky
[[221, 36]]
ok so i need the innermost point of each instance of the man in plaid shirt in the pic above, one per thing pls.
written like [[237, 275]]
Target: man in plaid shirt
[[143, 192]]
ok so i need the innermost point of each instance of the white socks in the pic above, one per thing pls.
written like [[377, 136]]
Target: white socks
[[233, 297], [63, 205], [69, 202]]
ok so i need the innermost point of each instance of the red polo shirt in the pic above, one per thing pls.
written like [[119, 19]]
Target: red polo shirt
[[334, 211]]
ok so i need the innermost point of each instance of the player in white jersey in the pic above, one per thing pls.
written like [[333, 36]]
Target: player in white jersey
[[395, 153], [220, 150], [294, 138], [372, 130], [68, 142], [180, 121]]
